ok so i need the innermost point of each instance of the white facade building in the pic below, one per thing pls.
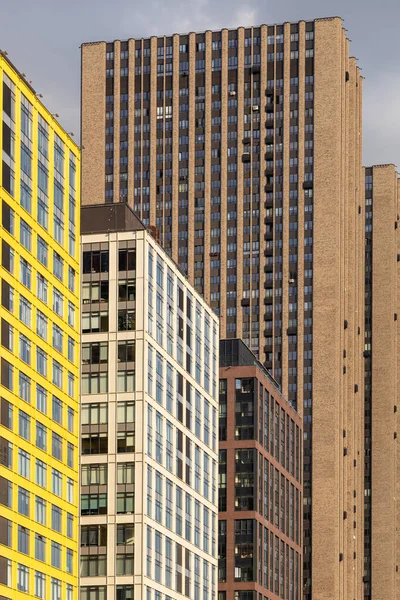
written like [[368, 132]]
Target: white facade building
[[149, 456]]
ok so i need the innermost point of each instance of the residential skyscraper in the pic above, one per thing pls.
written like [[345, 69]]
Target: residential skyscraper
[[260, 489], [39, 271], [243, 149], [149, 424], [382, 255]]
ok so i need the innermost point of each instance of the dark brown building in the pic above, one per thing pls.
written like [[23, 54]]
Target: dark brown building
[[260, 483], [243, 149]]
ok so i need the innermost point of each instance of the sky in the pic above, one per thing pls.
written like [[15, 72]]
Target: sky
[[43, 38]]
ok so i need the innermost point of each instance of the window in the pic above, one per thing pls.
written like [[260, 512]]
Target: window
[[25, 235], [94, 474], [41, 361], [41, 399], [70, 525], [24, 349], [58, 264], [57, 408], [25, 273], [42, 288], [25, 311], [126, 381], [55, 589], [56, 514], [58, 301], [7, 371], [56, 446], [93, 504], [23, 501], [7, 296], [93, 565], [40, 473], [23, 578], [125, 535], [71, 416], [26, 197], [23, 539], [94, 414], [57, 374], [93, 593], [41, 434], [55, 555], [95, 261], [95, 322], [71, 314], [126, 320], [40, 510], [71, 349], [70, 454], [41, 324], [56, 482], [127, 290], [57, 338], [40, 547], [126, 473], [40, 584], [24, 425], [125, 502], [71, 279], [124, 564], [94, 383], [126, 441], [70, 490], [42, 251], [24, 387], [23, 463]]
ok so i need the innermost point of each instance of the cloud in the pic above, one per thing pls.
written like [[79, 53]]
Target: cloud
[[45, 45], [381, 118]]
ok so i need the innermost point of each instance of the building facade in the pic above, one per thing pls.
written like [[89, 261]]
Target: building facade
[[260, 483], [243, 149], [39, 312], [149, 465], [381, 382]]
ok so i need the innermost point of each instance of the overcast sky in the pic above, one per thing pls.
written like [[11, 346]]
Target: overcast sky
[[42, 38]]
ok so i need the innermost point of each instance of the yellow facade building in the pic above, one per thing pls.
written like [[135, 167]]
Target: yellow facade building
[[39, 279]]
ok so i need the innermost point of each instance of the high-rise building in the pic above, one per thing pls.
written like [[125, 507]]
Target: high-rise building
[[243, 149], [382, 255], [39, 311], [260, 482], [149, 462]]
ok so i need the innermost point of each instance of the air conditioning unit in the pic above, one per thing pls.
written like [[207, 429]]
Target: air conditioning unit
[[256, 107], [232, 93]]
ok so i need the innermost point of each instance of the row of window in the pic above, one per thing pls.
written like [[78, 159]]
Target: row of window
[[24, 457], [25, 344], [187, 574], [42, 286], [38, 547], [184, 48], [25, 577], [168, 504], [24, 390], [41, 470], [27, 166], [24, 382], [51, 260], [25, 503], [168, 387]]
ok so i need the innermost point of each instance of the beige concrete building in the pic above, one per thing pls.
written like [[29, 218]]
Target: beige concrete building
[[381, 382], [149, 457], [243, 149]]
